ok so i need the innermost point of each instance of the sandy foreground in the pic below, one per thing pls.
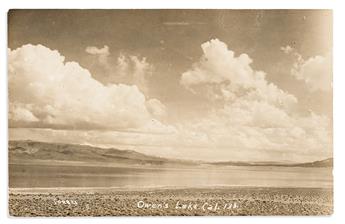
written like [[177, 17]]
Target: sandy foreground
[[173, 202]]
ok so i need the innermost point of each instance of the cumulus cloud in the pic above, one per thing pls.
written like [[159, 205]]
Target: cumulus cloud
[[287, 49], [47, 91], [255, 114], [219, 74], [211, 69], [315, 71], [127, 69], [18, 113], [101, 53]]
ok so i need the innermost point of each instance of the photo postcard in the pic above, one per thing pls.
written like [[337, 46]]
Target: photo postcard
[[162, 112]]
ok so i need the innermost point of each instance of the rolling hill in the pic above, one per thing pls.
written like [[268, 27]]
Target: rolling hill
[[33, 151]]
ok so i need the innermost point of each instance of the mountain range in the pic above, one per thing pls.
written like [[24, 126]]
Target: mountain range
[[32, 151]]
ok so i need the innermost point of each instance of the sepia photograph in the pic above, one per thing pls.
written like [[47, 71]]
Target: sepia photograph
[[170, 112]]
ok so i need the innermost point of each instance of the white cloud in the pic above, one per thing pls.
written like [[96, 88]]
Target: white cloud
[[316, 71], [18, 113], [101, 53], [98, 51], [47, 91], [129, 69], [287, 49], [140, 72], [255, 114], [156, 108], [219, 74], [217, 65]]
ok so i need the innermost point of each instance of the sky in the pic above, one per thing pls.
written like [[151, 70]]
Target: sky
[[217, 85]]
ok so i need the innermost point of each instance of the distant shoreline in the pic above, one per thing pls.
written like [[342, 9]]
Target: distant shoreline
[[47, 190]]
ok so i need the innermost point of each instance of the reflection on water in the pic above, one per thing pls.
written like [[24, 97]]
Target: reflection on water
[[22, 176]]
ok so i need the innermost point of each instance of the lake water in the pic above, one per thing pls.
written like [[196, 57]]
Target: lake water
[[42, 176]]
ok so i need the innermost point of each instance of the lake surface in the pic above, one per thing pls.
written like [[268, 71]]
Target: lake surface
[[43, 176]]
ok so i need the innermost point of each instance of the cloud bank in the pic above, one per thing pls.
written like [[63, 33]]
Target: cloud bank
[[253, 119]]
